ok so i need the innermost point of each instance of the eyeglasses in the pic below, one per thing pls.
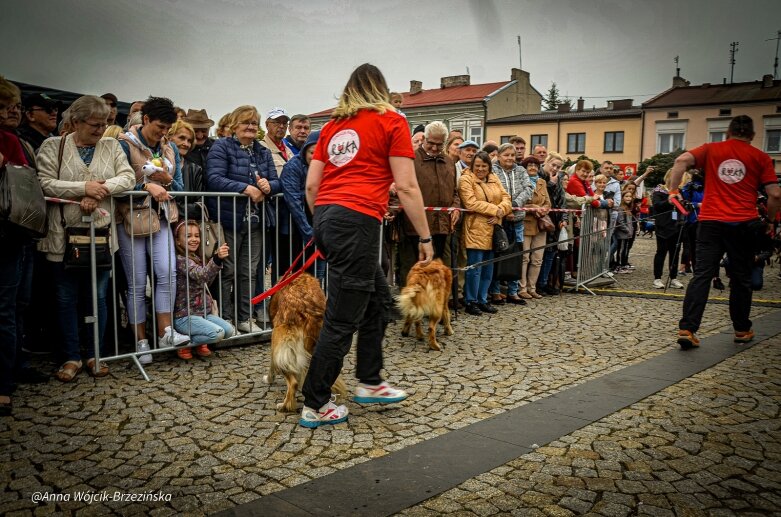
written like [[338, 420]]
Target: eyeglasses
[[438, 145], [47, 110], [251, 123], [95, 126], [277, 122]]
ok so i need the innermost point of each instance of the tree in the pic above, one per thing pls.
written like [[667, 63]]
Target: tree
[[661, 164], [552, 98]]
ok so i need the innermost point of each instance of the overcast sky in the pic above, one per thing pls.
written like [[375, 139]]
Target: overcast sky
[[298, 54]]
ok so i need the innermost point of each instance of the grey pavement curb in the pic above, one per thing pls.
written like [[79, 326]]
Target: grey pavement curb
[[404, 478]]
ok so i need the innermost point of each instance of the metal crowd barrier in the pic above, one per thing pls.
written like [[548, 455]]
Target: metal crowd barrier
[[596, 233], [121, 335]]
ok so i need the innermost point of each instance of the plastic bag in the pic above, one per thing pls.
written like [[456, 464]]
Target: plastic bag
[[563, 239]]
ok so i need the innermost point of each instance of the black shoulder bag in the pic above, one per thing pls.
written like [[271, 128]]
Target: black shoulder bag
[[499, 243], [77, 240]]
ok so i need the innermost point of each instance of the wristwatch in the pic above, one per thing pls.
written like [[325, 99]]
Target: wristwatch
[[424, 241]]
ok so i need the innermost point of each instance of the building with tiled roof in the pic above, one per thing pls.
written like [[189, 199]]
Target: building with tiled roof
[[686, 116], [606, 133], [464, 106]]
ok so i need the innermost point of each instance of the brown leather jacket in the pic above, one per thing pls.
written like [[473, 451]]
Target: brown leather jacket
[[437, 182]]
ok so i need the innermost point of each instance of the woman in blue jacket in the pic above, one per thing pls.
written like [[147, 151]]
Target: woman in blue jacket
[[239, 164], [293, 182]]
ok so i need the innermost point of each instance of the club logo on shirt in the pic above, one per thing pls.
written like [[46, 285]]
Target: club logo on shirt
[[732, 171], [343, 147]]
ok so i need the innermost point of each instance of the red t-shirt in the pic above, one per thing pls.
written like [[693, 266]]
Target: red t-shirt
[[355, 150], [734, 172]]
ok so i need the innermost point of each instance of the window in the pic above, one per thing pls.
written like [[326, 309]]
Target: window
[[614, 141], [717, 136], [576, 143], [476, 135], [672, 114], [669, 142], [539, 140], [505, 139], [725, 112], [773, 141], [671, 134]]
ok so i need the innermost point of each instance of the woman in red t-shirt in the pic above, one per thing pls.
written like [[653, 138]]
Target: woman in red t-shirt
[[362, 150]]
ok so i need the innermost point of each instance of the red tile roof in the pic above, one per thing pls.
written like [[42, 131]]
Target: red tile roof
[[440, 96], [701, 95]]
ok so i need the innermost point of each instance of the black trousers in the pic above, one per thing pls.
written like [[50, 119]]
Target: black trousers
[[358, 299], [665, 247], [713, 240]]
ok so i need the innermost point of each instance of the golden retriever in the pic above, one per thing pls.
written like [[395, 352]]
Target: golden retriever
[[296, 313], [425, 294]]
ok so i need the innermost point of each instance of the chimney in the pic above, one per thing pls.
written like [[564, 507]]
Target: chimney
[[620, 104], [767, 81], [581, 102], [415, 87], [564, 107], [454, 80], [680, 82]]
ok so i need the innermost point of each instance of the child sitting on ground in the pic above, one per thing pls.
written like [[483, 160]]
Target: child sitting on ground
[[198, 318]]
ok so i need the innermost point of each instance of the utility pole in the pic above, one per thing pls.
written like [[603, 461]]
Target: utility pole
[[733, 47], [520, 53], [775, 63]]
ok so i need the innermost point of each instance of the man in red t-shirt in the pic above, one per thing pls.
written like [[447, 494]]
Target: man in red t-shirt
[[734, 171]]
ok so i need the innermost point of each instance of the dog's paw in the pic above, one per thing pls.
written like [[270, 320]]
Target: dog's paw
[[435, 346], [448, 332]]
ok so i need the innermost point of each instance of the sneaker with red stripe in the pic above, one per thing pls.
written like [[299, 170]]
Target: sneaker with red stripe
[[382, 393], [327, 415]]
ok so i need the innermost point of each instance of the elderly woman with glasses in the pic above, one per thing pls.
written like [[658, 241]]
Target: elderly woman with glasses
[[240, 164], [85, 167]]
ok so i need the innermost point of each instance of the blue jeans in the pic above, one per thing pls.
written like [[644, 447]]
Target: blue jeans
[[547, 265], [479, 279], [10, 273], [202, 331], [73, 287], [512, 285]]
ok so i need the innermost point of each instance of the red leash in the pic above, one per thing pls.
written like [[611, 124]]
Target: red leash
[[290, 275]]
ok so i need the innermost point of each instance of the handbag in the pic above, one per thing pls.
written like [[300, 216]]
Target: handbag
[[78, 248], [144, 220], [500, 242], [21, 200], [545, 224], [509, 268], [212, 234]]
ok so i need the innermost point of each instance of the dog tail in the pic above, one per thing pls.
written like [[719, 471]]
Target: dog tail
[[411, 302], [289, 355]]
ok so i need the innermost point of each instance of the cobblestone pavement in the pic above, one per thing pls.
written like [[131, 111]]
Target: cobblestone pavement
[[709, 445], [207, 432]]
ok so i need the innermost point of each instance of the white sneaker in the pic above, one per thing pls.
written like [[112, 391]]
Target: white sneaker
[[172, 338], [326, 415], [676, 284], [658, 284], [382, 393], [248, 327], [143, 346]]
